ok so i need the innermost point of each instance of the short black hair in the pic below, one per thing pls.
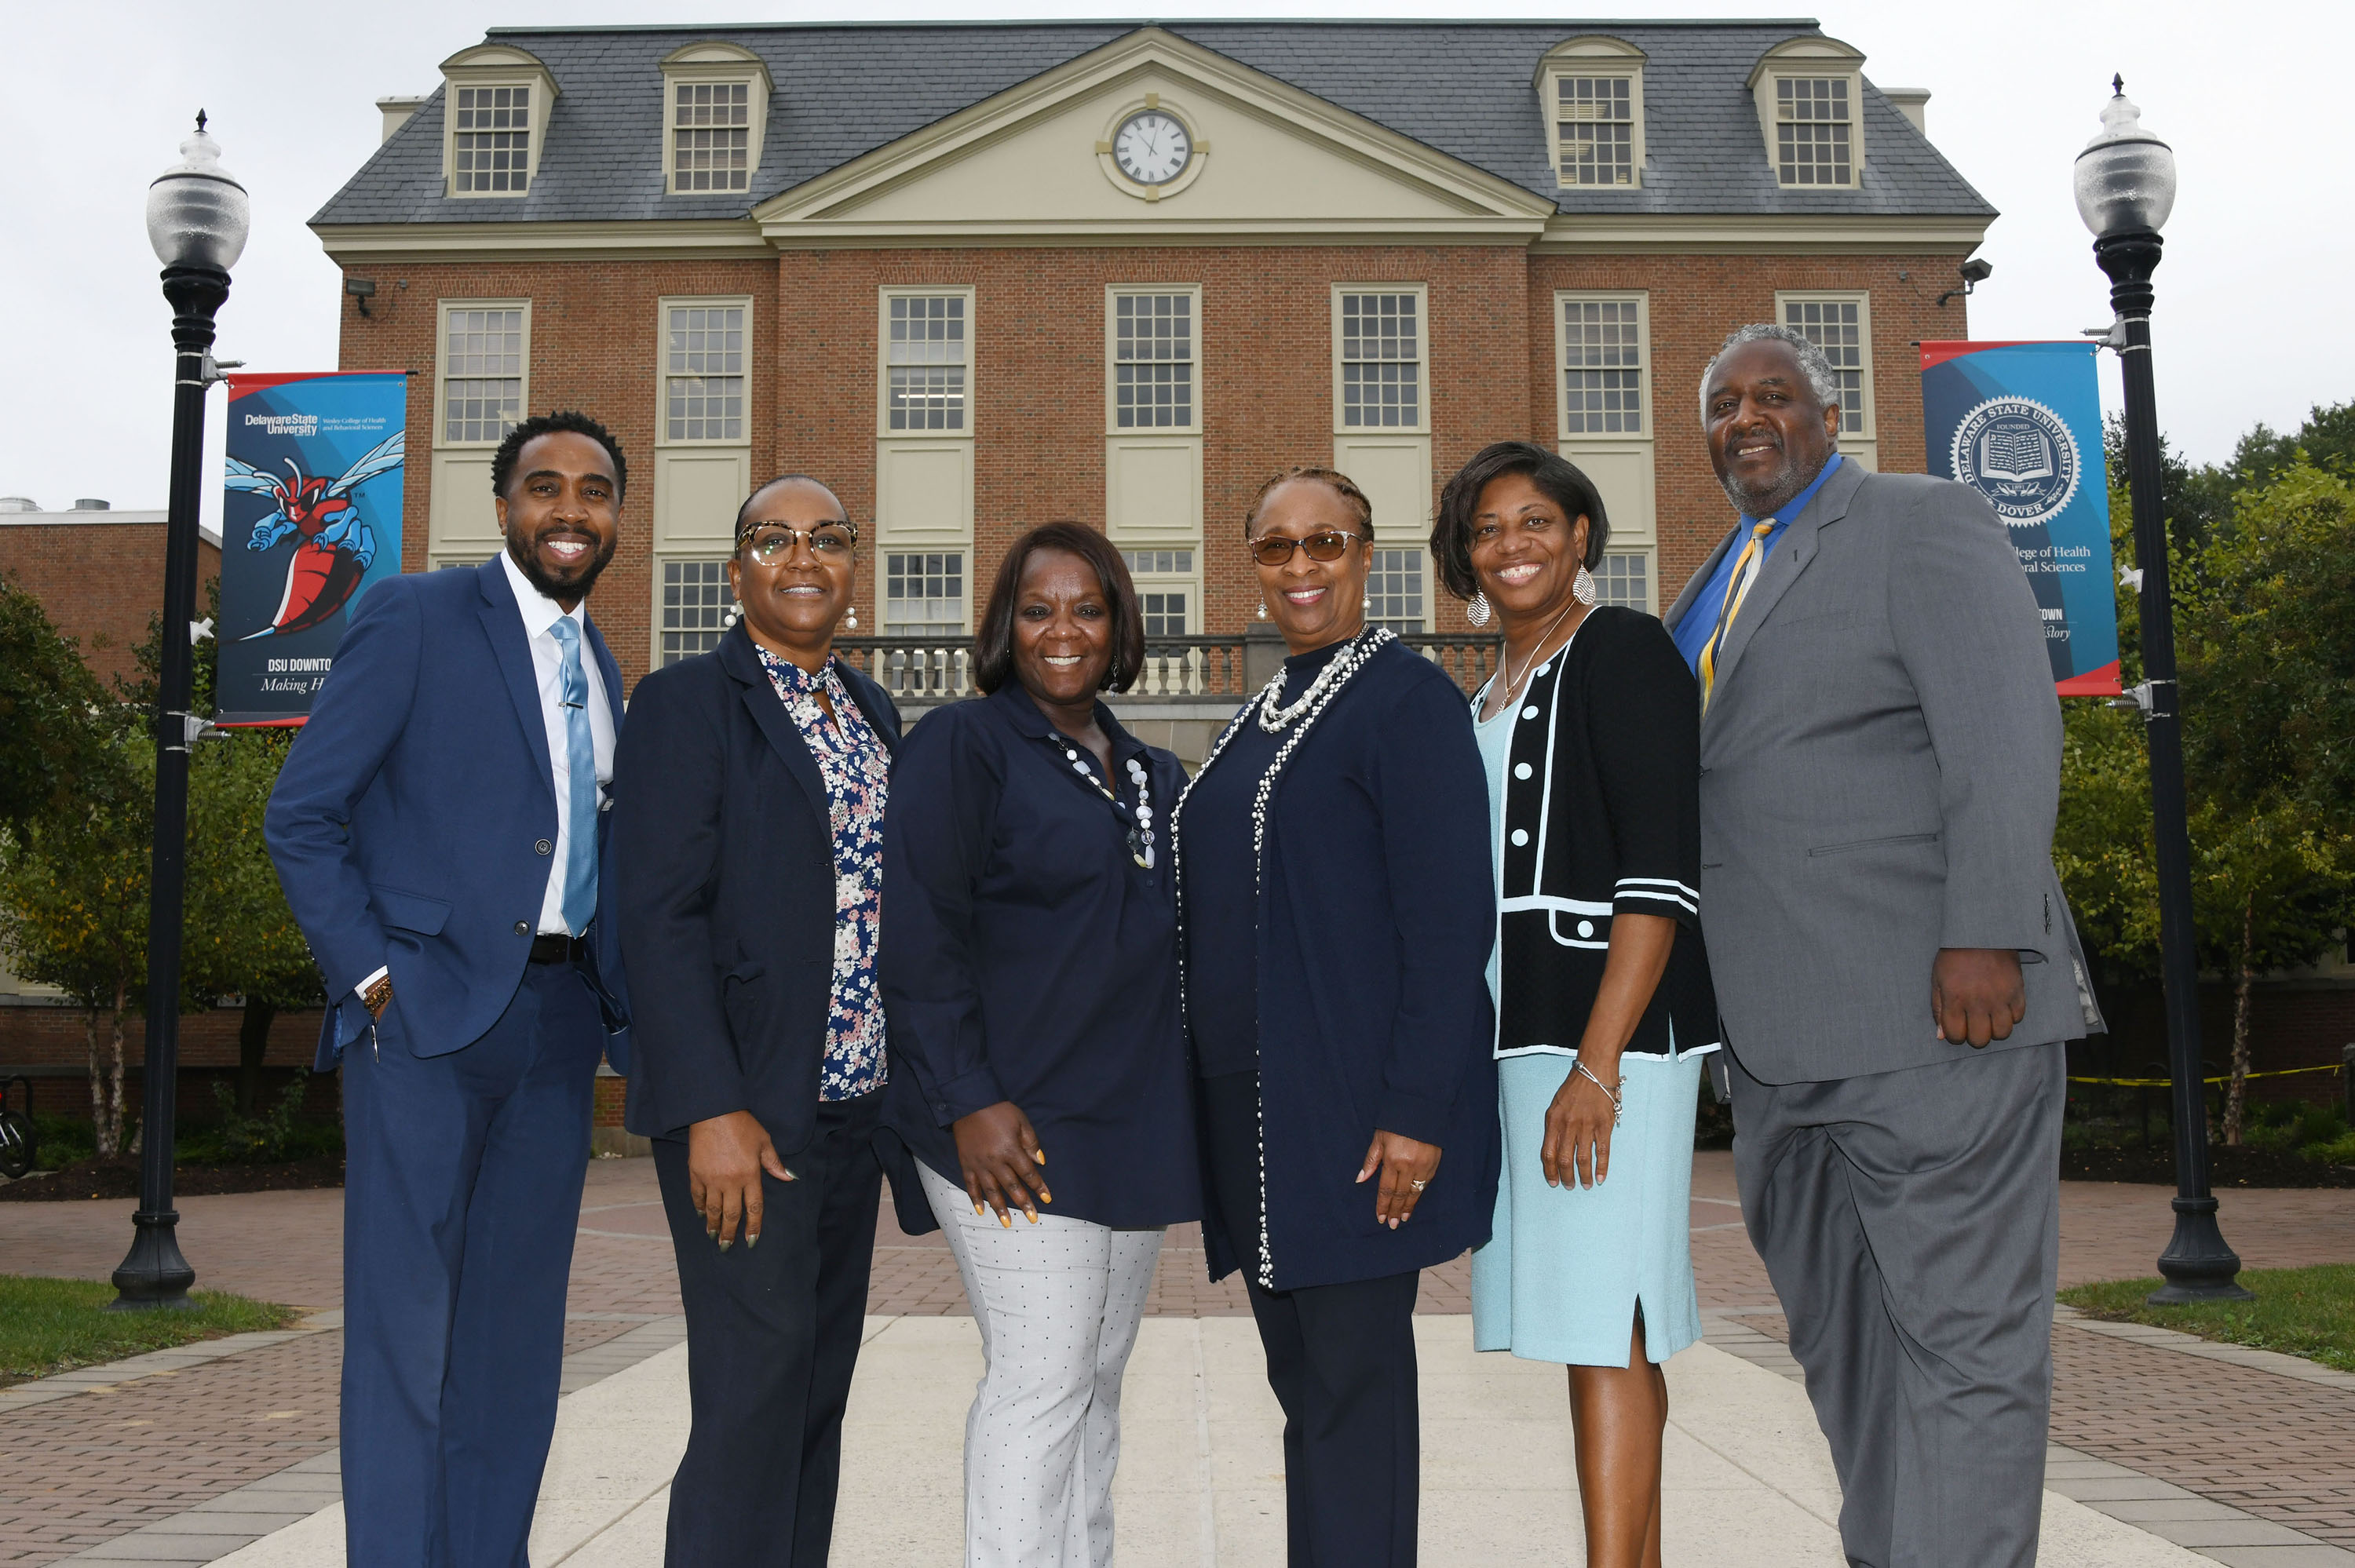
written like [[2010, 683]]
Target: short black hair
[[746, 504], [503, 462], [993, 650], [1339, 484], [1563, 482]]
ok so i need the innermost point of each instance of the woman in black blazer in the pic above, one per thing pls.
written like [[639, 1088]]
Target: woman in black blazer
[[1335, 898], [748, 790]]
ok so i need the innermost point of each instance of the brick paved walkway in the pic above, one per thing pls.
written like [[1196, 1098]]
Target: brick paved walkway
[[86, 1468]]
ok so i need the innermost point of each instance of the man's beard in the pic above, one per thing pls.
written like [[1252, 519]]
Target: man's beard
[[1767, 499], [525, 556]]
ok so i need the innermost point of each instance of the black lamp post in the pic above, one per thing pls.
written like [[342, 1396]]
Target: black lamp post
[[2126, 188], [197, 220]]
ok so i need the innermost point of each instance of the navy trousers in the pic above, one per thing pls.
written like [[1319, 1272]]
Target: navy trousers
[[462, 1195], [1340, 1359], [773, 1336]]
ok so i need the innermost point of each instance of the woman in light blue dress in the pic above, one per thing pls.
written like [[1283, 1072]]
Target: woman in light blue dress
[[1590, 732]]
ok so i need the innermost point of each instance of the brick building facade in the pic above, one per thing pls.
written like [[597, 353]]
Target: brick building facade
[[926, 263]]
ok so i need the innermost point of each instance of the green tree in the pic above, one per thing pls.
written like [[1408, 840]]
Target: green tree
[[50, 710]]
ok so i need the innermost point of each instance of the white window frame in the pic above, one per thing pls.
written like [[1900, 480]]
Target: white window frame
[[443, 309], [1865, 438], [1187, 580], [963, 626], [714, 63], [883, 361], [1600, 59], [1114, 294], [1421, 294], [494, 66], [1629, 535], [663, 374], [1811, 57], [657, 630], [1421, 554]]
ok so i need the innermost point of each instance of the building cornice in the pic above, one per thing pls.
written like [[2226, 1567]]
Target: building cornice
[[1769, 233], [1148, 231], [350, 244]]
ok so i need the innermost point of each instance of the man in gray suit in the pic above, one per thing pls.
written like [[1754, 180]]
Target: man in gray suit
[[1881, 760]]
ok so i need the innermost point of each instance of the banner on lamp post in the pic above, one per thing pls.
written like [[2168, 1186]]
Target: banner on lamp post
[[2021, 424], [311, 521]]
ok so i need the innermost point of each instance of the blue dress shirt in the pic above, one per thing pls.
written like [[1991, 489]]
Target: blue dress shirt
[[1693, 632]]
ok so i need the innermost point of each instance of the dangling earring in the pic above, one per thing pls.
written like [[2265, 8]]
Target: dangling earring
[[735, 613], [1582, 587], [1262, 610], [1477, 611], [850, 621], [1367, 604]]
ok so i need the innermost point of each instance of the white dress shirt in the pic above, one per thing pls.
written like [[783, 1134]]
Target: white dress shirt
[[539, 613]]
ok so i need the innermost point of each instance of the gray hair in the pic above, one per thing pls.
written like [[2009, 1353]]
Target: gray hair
[[1822, 380]]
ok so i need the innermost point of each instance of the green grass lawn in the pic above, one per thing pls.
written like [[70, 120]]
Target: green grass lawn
[[2306, 1312], [56, 1325]]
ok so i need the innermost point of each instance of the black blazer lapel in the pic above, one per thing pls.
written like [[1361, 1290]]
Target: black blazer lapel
[[502, 624], [759, 699]]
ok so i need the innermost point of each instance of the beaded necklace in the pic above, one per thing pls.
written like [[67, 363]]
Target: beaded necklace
[[1140, 831], [1311, 706]]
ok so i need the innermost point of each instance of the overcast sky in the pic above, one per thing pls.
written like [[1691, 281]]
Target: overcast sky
[[2247, 94]]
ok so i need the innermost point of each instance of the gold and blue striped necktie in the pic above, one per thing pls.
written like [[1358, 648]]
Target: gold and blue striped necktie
[[1737, 588]]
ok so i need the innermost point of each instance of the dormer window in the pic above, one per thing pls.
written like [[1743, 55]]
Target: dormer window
[[1813, 119], [491, 147], [1592, 90], [493, 120], [1810, 96], [715, 109]]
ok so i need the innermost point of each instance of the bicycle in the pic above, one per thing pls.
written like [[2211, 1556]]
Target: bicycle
[[18, 1143]]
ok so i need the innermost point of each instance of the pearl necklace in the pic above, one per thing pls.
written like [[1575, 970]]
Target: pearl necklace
[[1140, 836], [1275, 720]]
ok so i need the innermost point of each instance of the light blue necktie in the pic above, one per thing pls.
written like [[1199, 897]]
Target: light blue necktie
[[581, 756]]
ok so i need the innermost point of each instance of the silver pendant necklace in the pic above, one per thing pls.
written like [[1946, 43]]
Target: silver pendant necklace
[[1140, 832], [1511, 685]]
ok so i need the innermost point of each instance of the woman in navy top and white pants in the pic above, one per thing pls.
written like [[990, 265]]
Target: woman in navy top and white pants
[[1030, 971]]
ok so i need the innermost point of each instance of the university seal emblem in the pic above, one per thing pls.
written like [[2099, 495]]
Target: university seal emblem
[[2020, 455]]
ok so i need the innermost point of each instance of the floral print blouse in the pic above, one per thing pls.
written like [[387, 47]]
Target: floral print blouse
[[852, 760]]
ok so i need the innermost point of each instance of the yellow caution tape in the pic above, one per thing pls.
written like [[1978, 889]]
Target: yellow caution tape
[[2166, 1082]]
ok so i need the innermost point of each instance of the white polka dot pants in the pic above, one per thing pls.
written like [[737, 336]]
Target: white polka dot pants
[[1058, 1305]]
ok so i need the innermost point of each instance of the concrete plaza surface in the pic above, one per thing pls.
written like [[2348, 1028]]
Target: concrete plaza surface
[[2166, 1449], [1200, 1478]]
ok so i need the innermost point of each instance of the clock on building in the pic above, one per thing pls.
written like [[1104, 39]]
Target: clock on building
[[1152, 147]]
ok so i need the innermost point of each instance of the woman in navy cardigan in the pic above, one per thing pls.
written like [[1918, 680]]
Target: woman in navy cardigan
[[1030, 967], [1337, 917], [748, 798]]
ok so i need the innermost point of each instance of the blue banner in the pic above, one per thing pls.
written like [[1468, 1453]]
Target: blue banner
[[311, 520], [2021, 424]]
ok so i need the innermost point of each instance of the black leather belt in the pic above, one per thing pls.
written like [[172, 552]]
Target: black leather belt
[[555, 948]]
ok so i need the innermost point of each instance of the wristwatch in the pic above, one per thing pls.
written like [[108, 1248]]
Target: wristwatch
[[377, 997]]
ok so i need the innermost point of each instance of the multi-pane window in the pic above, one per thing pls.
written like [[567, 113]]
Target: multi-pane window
[[1812, 127], [490, 148], [1602, 367], [482, 384], [927, 361], [1161, 603], [710, 135], [1625, 578], [703, 374], [1594, 116], [923, 593], [1837, 326], [1394, 589], [694, 605], [1381, 361], [1153, 361]]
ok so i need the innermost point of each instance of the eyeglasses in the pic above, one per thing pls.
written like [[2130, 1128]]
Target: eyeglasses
[[769, 543], [1330, 544]]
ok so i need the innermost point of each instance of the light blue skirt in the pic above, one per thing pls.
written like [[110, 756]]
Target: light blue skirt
[[1565, 1267]]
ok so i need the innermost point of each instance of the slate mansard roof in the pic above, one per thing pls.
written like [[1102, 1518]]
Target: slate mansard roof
[[1462, 88]]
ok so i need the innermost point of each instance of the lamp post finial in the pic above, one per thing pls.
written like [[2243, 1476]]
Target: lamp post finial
[[200, 119], [2118, 83]]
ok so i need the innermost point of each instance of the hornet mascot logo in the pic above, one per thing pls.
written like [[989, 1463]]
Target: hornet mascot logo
[[334, 546]]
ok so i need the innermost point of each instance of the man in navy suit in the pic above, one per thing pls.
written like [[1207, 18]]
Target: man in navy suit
[[437, 830]]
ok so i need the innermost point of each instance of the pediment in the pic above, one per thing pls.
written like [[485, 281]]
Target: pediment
[[1033, 163]]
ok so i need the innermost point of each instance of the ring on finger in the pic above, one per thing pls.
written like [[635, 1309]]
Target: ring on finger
[[1418, 1186]]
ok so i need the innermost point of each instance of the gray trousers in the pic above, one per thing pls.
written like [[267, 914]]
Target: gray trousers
[[1911, 1223]]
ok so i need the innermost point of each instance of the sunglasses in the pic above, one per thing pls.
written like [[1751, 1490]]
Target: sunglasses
[[1330, 544], [769, 543]]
